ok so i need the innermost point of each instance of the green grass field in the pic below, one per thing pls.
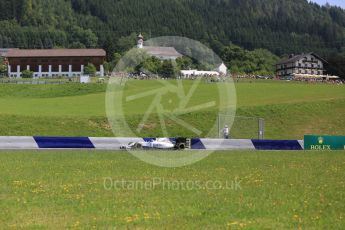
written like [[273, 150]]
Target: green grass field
[[271, 190], [227, 190], [290, 109]]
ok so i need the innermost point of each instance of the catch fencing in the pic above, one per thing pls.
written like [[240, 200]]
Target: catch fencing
[[242, 127]]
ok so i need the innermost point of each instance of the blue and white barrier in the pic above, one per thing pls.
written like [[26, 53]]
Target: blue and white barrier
[[277, 145], [106, 143], [221, 144], [64, 143], [18, 143]]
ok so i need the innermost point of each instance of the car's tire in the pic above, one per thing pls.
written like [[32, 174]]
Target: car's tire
[[181, 146], [138, 146]]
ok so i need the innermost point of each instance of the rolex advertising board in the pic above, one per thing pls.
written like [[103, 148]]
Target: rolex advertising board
[[314, 142]]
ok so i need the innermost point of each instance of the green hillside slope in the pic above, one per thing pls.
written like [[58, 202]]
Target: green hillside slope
[[290, 110]]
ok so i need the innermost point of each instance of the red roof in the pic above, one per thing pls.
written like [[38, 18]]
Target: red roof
[[56, 53]]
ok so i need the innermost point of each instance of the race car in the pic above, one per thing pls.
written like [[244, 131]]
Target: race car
[[159, 143]]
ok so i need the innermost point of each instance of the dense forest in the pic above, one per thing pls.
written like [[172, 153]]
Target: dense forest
[[280, 26]]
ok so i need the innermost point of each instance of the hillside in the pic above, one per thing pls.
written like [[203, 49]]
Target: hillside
[[290, 110], [281, 26]]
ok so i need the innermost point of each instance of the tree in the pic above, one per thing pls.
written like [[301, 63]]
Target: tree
[[152, 64], [116, 58], [336, 65], [27, 74], [239, 60], [184, 63], [167, 69], [80, 35], [126, 42], [3, 67], [76, 45], [27, 12], [90, 69], [281, 27]]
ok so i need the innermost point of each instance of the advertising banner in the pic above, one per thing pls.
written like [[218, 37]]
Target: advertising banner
[[313, 142]]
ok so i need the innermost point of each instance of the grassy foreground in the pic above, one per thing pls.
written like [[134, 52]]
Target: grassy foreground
[[275, 190], [290, 109]]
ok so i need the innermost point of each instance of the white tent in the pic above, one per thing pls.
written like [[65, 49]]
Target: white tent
[[222, 69], [332, 77]]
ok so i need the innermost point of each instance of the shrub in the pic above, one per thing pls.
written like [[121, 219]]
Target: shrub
[[27, 74]]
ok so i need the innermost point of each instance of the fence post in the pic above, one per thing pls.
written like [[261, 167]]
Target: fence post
[[218, 130], [261, 129]]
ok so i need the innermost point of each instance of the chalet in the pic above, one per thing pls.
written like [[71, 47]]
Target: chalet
[[307, 65]]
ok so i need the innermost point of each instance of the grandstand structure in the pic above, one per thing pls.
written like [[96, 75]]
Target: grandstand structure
[[54, 62]]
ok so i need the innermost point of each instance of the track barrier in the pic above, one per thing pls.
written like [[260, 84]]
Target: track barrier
[[108, 143]]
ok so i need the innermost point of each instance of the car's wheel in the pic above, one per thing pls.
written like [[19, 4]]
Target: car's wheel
[[181, 146], [138, 146]]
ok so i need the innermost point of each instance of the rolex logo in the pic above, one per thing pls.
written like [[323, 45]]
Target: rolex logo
[[320, 139]]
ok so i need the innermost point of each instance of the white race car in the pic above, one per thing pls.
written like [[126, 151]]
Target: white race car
[[158, 143]]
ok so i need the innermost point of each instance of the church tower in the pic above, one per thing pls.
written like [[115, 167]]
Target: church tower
[[140, 43]]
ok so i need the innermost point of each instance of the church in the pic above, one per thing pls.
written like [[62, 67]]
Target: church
[[170, 53], [160, 52]]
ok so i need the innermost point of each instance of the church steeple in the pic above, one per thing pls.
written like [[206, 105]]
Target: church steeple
[[140, 43]]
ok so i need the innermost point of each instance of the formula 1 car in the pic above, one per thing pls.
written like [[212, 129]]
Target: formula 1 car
[[179, 143]]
